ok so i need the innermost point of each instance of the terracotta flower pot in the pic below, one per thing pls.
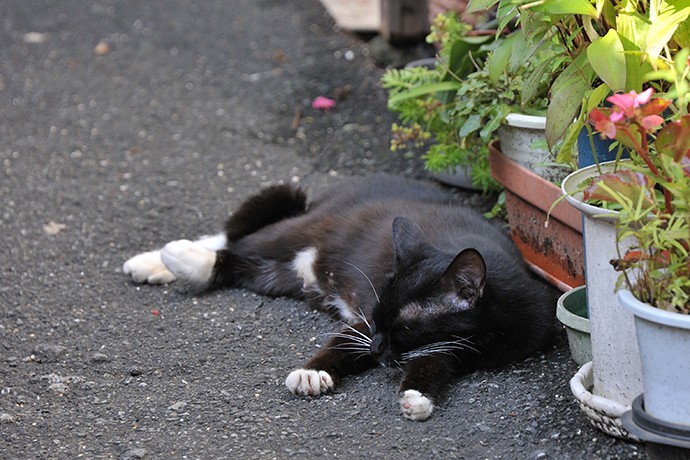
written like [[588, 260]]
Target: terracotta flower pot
[[555, 251]]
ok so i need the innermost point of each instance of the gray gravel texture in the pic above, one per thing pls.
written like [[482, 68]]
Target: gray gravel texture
[[107, 151]]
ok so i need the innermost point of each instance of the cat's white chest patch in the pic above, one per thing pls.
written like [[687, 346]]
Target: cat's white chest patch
[[303, 264]]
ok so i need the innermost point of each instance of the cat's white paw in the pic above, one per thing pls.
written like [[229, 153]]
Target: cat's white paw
[[415, 406], [148, 268], [307, 382], [189, 261]]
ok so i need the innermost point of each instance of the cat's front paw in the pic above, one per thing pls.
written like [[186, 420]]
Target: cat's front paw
[[307, 382], [415, 406], [148, 268], [189, 261]]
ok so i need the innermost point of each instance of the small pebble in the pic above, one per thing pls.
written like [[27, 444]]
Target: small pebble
[[134, 454], [178, 406], [100, 358], [135, 371]]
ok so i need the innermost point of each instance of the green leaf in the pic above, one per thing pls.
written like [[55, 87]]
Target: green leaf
[[567, 93], [424, 90], [565, 7], [473, 123], [664, 26], [682, 35], [497, 62], [506, 12], [532, 83], [636, 67], [459, 61], [597, 97], [492, 124], [607, 58], [619, 186], [479, 5], [567, 150]]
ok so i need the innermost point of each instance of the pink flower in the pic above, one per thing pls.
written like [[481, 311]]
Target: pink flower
[[603, 123], [323, 103], [651, 121], [616, 117], [631, 100]]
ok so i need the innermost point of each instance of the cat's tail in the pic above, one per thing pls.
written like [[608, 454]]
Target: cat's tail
[[269, 206]]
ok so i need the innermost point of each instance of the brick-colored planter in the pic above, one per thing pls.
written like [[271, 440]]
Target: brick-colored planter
[[555, 251]]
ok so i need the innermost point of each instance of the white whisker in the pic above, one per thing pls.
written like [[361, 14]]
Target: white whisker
[[348, 339], [363, 317], [359, 333], [351, 339], [346, 347], [354, 341], [439, 348], [367, 278]]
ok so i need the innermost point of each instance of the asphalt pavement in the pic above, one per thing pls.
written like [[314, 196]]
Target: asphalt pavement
[[127, 124]]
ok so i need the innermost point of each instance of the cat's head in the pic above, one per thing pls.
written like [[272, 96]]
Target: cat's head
[[430, 301]]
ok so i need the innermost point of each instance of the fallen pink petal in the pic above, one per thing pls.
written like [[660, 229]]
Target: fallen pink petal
[[323, 103]]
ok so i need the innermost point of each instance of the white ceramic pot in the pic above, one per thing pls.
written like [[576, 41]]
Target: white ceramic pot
[[664, 344], [523, 140], [616, 367]]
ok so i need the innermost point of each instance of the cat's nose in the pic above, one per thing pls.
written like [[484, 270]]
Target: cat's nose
[[379, 350]]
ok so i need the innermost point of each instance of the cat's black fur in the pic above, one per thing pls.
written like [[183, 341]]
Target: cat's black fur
[[425, 284]]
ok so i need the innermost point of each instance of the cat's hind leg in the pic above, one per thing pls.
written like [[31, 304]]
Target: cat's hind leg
[[178, 259], [148, 267]]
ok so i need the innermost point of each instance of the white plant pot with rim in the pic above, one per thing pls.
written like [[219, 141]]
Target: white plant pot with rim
[[664, 344], [520, 137], [616, 369]]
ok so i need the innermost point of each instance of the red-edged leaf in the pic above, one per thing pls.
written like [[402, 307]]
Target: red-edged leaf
[[674, 139], [654, 107], [626, 183], [633, 255]]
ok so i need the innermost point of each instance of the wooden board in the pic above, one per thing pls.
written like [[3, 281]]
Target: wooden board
[[357, 15]]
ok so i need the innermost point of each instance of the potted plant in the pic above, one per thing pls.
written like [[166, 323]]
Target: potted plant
[[421, 94], [549, 238], [606, 386], [652, 196], [656, 168], [457, 107], [608, 45], [525, 167]]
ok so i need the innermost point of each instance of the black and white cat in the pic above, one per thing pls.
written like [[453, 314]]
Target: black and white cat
[[422, 283]]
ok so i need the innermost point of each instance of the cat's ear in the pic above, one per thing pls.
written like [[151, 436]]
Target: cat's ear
[[464, 280], [407, 235]]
